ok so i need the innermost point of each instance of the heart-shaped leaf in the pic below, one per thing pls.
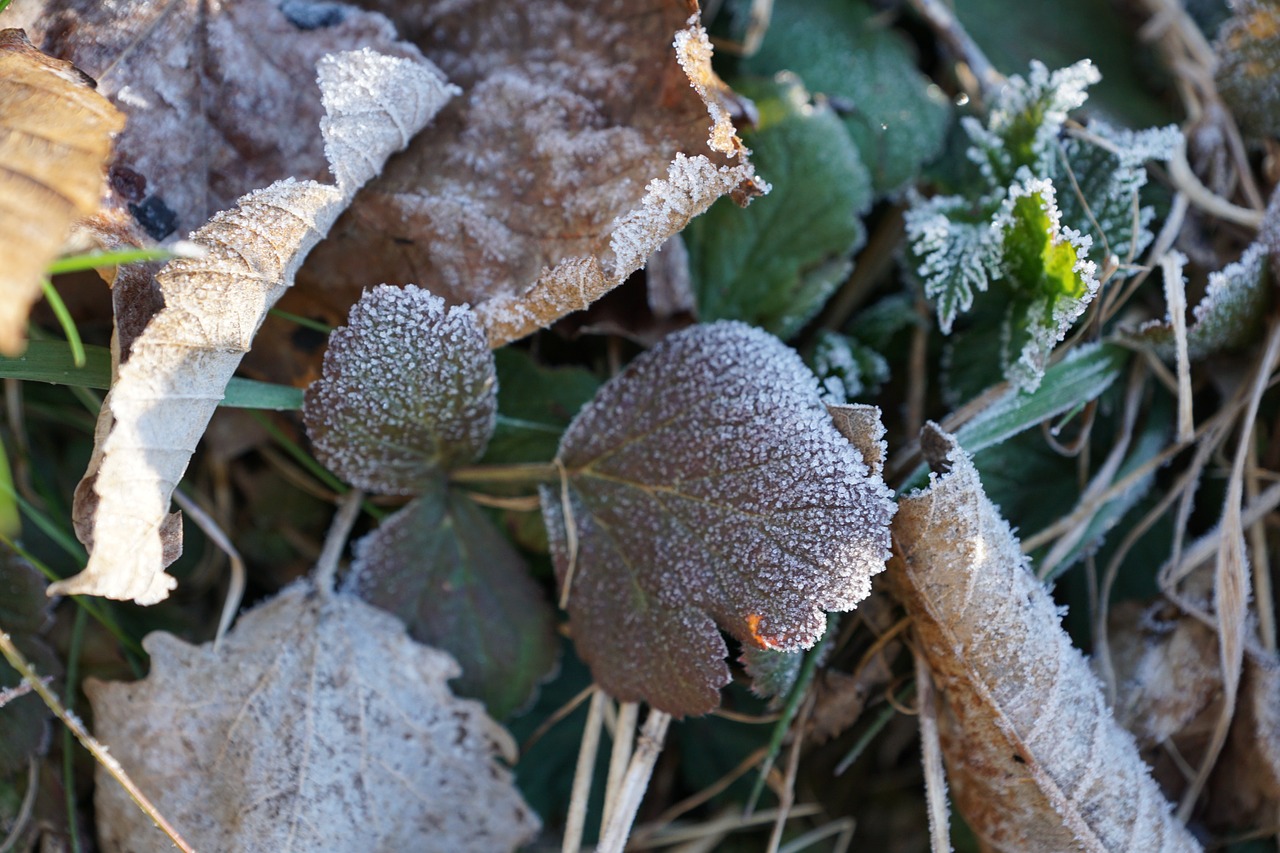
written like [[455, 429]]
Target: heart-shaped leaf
[[408, 389], [707, 486]]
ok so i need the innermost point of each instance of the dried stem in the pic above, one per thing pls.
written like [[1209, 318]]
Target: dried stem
[[624, 735], [613, 838], [96, 748], [235, 587], [935, 779], [576, 822], [952, 33], [327, 565]]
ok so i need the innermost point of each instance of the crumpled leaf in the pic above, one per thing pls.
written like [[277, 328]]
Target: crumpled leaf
[[24, 614], [176, 371], [55, 139], [215, 92], [1230, 314], [775, 263], [578, 147], [706, 485], [1034, 758], [442, 567], [1249, 64], [317, 725], [896, 116], [408, 391]]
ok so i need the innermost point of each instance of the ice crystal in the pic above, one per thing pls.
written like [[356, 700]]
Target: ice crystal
[[707, 486], [408, 389]]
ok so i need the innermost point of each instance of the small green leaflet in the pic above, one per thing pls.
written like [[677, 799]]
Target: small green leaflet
[[407, 391], [707, 486], [535, 405], [775, 263]]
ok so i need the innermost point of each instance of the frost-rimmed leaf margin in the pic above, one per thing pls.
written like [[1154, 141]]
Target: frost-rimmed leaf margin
[[708, 486], [408, 390]]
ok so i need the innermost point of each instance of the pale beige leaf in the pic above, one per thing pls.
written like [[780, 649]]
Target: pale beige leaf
[[175, 373], [217, 92], [316, 725], [588, 133], [55, 138], [1035, 760]]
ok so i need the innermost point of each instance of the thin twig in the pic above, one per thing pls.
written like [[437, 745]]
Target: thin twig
[[624, 736], [326, 571], [236, 585], [1175, 294], [787, 794], [935, 779], [28, 805], [1204, 198], [613, 838], [95, 747], [576, 822], [952, 33]]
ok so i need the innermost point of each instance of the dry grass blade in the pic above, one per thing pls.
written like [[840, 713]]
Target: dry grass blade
[[613, 836], [935, 780]]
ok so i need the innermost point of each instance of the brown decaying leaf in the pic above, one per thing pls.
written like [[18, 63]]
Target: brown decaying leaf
[[216, 92], [1034, 757], [578, 147], [316, 725], [707, 486], [175, 374], [55, 138]]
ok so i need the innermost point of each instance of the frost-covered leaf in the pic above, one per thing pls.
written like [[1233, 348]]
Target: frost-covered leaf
[[1035, 760], [773, 672], [316, 725], [535, 406], [582, 141], [1249, 65], [177, 370], [954, 246], [1229, 315], [896, 116], [55, 139], [215, 90], [1047, 273], [775, 263], [846, 368], [707, 486], [24, 612], [1024, 119], [408, 391], [442, 567]]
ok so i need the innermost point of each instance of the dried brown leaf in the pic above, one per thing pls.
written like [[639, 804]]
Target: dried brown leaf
[[316, 725], [177, 370], [216, 93], [1034, 757], [582, 142], [55, 138]]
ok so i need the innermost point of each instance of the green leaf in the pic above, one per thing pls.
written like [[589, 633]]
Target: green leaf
[[53, 362], [535, 405], [775, 262], [846, 368], [895, 115], [773, 673], [706, 486], [441, 566], [953, 248], [408, 389], [1048, 276], [24, 610]]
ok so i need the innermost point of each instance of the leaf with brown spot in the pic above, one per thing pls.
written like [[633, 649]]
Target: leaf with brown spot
[[55, 139], [217, 93], [708, 487], [1034, 758], [579, 145], [316, 725], [162, 397]]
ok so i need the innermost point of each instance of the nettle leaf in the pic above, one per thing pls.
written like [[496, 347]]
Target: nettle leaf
[[1025, 117], [457, 583], [953, 246], [775, 263], [1049, 275], [706, 486], [846, 367], [408, 389], [896, 116]]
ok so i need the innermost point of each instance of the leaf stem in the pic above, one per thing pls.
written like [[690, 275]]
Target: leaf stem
[[530, 473]]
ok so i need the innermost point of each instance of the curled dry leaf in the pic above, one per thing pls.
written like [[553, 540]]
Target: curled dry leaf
[[175, 374], [317, 725], [707, 486], [1034, 757], [582, 142], [55, 138], [214, 90], [408, 391]]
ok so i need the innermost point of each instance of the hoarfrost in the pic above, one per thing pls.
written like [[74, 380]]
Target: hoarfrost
[[708, 486]]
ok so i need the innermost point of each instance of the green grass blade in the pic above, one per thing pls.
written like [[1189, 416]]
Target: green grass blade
[[94, 260], [65, 320]]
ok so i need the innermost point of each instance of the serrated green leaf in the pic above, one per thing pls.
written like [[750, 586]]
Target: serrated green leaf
[[535, 405], [775, 263], [953, 248], [408, 389], [441, 566], [846, 368], [707, 486], [24, 608], [773, 673], [896, 117]]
